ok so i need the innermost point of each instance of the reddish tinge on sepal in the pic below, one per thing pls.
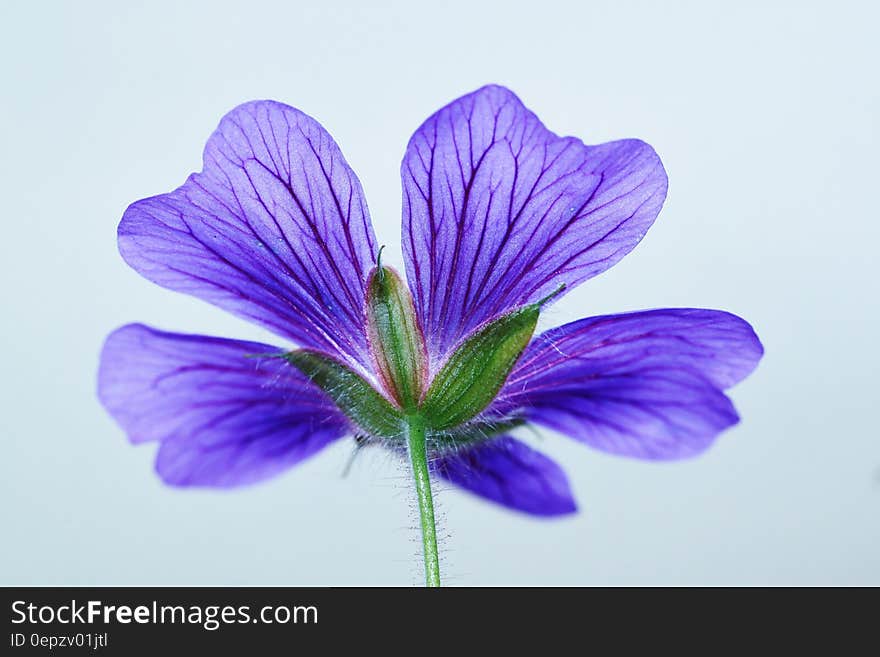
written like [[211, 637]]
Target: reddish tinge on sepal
[[396, 341]]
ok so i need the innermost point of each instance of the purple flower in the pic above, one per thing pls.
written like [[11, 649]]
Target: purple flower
[[500, 216]]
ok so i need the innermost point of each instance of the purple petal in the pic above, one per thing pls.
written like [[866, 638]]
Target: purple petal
[[646, 384], [223, 416], [510, 473], [498, 211], [274, 229]]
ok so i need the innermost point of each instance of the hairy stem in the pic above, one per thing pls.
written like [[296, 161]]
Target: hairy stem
[[418, 456]]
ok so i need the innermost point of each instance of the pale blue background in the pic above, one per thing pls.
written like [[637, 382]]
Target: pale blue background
[[766, 117]]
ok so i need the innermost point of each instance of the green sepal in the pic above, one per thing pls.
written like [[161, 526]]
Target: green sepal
[[475, 372], [354, 396], [469, 434], [396, 340]]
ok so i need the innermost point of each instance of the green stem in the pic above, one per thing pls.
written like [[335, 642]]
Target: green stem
[[418, 456]]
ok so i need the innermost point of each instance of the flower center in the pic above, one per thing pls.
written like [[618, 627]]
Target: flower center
[[452, 408]]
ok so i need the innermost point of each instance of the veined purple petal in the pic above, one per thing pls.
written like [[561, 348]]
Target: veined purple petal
[[510, 473], [225, 416], [646, 384], [498, 211], [274, 229]]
